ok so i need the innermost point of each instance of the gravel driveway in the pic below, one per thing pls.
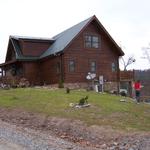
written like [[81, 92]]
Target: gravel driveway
[[20, 130], [14, 137], [18, 138], [7, 145]]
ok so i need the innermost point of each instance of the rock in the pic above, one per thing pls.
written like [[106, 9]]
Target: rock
[[97, 146], [81, 138], [103, 146], [115, 143], [63, 136], [87, 143]]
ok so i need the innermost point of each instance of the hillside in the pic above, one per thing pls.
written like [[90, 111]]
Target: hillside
[[105, 109], [106, 124]]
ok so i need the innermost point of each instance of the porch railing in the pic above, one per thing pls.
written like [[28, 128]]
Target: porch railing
[[127, 75]]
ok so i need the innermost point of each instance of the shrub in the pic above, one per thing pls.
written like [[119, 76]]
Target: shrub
[[67, 90], [83, 100]]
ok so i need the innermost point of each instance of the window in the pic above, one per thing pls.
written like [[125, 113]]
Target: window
[[91, 41], [71, 66], [93, 66], [88, 40], [58, 67], [113, 67], [95, 42]]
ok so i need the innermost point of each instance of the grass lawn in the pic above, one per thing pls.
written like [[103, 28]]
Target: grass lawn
[[105, 110]]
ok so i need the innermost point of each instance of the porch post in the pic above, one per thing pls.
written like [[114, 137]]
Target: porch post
[[2, 72]]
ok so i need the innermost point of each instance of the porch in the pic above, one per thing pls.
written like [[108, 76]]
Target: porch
[[10, 72], [126, 81]]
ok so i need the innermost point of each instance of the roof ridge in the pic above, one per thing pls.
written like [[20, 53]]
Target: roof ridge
[[29, 37]]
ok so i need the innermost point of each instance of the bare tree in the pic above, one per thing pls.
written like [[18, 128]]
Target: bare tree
[[126, 62]]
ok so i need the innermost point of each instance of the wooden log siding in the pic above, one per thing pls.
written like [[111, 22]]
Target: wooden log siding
[[31, 70], [49, 74], [104, 56], [30, 48]]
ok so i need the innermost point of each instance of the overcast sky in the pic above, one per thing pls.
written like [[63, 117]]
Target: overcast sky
[[127, 21]]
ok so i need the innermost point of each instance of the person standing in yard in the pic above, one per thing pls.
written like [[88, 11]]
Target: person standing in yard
[[137, 87]]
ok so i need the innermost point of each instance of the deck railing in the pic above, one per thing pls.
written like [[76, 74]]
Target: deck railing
[[126, 75]]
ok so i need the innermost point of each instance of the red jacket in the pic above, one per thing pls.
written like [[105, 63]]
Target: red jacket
[[137, 86]]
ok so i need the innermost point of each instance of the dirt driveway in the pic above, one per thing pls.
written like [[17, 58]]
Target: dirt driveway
[[35, 132], [14, 137]]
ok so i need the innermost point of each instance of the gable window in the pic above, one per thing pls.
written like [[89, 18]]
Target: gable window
[[91, 41], [58, 67], [113, 67], [71, 66], [93, 66]]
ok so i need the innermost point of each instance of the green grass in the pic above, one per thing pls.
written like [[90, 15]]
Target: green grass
[[105, 110]]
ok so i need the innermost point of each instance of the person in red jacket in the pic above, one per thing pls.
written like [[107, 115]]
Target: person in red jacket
[[137, 87]]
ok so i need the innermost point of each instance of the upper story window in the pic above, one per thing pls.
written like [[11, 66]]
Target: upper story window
[[91, 41], [71, 66], [93, 66]]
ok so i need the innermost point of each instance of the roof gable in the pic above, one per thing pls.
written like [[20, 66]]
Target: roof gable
[[17, 50], [12, 45], [14, 41], [63, 39], [11, 53]]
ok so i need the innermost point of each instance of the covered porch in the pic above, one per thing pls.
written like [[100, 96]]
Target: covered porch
[[10, 71]]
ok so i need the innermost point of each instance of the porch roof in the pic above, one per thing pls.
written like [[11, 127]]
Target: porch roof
[[19, 56], [7, 63]]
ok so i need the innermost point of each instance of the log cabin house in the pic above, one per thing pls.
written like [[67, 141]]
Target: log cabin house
[[68, 56]]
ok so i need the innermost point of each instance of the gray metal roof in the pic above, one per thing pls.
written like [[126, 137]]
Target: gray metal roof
[[64, 38]]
